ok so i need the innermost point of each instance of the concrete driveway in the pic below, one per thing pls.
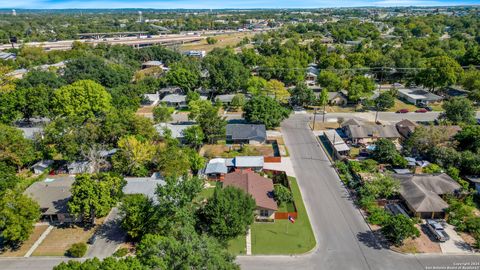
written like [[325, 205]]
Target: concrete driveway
[[284, 166], [455, 245], [109, 236]]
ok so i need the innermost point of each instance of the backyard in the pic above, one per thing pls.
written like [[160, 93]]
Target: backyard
[[223, 150], [283, 237]]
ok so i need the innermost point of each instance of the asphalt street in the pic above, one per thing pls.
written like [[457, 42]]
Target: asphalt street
[[382, 116], [108, 237], [344, 240]]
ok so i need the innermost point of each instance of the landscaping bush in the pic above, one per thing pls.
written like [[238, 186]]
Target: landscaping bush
[[77, 250], [398, 228], [432, 168], [282, 194], [120, 252], [378, 216]]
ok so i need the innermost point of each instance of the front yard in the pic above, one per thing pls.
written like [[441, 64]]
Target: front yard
[[283, 237], [23, 249], [237, 246]]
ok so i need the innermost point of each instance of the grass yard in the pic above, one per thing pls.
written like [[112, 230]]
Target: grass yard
[[61, 239], [205, 194], [273, 238], [22, 250], [223, 41], [237, 246], [399, 104]]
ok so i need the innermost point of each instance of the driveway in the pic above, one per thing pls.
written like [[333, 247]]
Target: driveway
[[284, 166], [109, 237], [455, 245]]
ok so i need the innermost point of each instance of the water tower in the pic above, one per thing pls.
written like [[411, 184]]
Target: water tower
[[140, 19], [14, 12]]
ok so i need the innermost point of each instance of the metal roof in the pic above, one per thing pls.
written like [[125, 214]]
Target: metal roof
[[336, 140], [248, 161], [216, 165]]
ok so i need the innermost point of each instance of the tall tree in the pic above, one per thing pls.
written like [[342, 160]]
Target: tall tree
[[265, 110], [440, 71], [226, 71], [459, 110], [134, 156], [330, 80], [15, 150], [136, 211], [277, 90], [359, 88], [18, 214], [301, 95], [234, 201], [94, 195], [162, 113], [85, 99]]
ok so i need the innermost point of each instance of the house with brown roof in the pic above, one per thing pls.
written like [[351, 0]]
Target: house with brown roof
[[361, 132], [259, 187]]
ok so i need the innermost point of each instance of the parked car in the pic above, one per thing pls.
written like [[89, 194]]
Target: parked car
[[92, 240], [437, 230], [395, 209], [402, 111], [428, 108], [422, 110]]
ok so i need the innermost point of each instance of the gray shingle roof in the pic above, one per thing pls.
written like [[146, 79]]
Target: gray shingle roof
[[52, 194], [421, 191], [246, 132], [216, 165], [372, 130]]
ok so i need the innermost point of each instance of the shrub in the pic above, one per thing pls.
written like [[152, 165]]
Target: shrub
[[432, 168], [282, 194], [120, 252], [378, 216], [77, 250], [398, 228]]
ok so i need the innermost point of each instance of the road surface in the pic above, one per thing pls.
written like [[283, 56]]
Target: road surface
[[344, 240]]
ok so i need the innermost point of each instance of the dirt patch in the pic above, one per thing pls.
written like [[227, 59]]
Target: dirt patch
[[225, 151], [468, 238], [23, 249], [324, 126], [146, 111], [222, 41]]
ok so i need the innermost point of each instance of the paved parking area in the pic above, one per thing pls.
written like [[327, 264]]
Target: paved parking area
[[455, 245]]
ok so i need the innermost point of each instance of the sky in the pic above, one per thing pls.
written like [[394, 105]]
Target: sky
[[215, 4]]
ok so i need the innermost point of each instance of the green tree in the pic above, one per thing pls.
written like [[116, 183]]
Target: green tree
[[234, 201], [197, 162], [162, 113], [238, 101], [459, 110], [432, 168], [134, 156], [301, 95], [6, 81], [265, 110], [183, 76], [256, 85], [440, 71], [85, 99], [323, 98], [34, 102], [211, 40], [189, 251], [226, 71], [398, 228], [136, 211], [277, 90], [207, 117], [15, 150], [94, 195], [128, 263], [18, 214], [77, 250], [282, 194], [384, 151], [194, 136], [384, 101], [469, 138], [173, 160], [381, 186], [359, 88], [330, 80]]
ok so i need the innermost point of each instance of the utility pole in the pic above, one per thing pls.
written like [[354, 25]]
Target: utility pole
[[333, 145], [324, 111], [314, 118]]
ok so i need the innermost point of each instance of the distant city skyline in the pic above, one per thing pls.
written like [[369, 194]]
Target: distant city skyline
[[216, 4]]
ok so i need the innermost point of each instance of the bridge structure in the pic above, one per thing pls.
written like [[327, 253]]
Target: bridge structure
[[110, 34]]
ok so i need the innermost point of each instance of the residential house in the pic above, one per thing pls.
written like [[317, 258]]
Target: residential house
[[177, 100], [198, 54], [336, 143], [254, 163], [422, 193], [475, 180], [225, 99], [41, 166], [337, 98], [259, 187], [246, 133], [418, 96], [151, 99], [217, 168], [176, 129], [150, 64], [169, 90], [406, 127], [52, 194], [144, 185], [311, 74], [359, 132]]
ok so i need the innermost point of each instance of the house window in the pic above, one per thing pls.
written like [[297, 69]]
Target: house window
[[264, 213]]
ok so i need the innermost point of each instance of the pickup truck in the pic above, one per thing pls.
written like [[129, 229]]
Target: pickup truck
[[437, 230]]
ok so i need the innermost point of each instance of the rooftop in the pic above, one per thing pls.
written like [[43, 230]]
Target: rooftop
[[420, 94], [248, 161], [176, 129], [52, 194], [246, 132], [336, 140], [259, 187], [421, 191], [359, 129]]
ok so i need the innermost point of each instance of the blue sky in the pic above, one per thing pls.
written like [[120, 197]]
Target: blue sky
[[165, 4]]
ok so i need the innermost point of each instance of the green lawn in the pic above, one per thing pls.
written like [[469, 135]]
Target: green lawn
[[237, 246], [206, 193], [273, 238], [286, 207]]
